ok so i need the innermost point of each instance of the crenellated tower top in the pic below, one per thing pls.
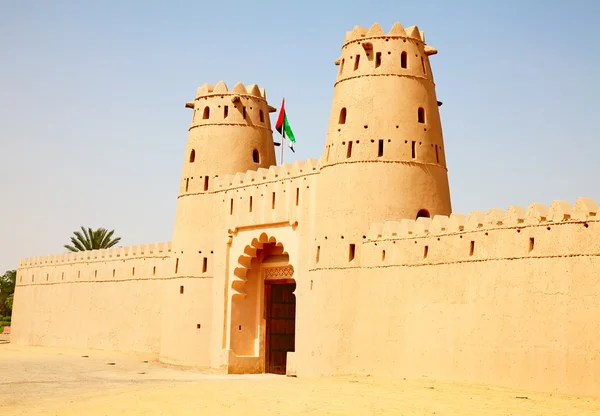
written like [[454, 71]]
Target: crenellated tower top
[[400, 52]]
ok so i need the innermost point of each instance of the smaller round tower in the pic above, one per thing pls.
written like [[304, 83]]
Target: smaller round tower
[[230, 132]]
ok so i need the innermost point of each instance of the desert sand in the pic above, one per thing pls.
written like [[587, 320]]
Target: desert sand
[[58, 381]]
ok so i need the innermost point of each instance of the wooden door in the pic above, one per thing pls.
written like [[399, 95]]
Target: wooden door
[[281, 325]]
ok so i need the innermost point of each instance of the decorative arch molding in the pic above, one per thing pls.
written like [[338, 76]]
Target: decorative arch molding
[[244, 262]]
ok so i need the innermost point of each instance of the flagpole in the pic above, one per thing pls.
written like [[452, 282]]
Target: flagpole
[[282, 139]]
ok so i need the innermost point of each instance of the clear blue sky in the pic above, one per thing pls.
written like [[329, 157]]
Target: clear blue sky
[[93, 125]]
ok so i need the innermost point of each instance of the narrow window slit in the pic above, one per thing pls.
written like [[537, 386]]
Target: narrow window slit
[[204, 264], [342, 119], [351, 252], [531, 243], [206, 183], [421, 115], [250, 205], [377, 59], [380, 149], [472, 248], [349, 150], [414, 149], [356, 62], [318, 254]]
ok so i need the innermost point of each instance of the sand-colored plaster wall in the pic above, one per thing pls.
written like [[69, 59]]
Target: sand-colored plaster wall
[[505, 310], [106, 299]]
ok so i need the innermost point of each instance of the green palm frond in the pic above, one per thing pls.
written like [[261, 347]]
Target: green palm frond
[[113, 242], [89, 239], [87, 242]]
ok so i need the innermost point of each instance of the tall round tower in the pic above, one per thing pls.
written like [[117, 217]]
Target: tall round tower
[[384, 157], [230, 133]]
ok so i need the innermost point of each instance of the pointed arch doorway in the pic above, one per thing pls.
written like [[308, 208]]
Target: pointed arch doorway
[[263, 309]]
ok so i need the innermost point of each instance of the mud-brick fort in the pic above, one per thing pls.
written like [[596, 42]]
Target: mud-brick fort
[[352, 264]]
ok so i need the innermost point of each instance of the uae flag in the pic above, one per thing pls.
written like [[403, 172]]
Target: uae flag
[[283, 127]]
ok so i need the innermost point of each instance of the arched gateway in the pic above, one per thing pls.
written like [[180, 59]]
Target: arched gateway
[[263, 309]]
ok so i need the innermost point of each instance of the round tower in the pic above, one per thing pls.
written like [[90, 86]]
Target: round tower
[[384, 156], [230, 132], [384, 148]]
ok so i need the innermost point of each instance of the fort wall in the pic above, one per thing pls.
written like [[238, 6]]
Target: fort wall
[[508, 298], [105, 299], [502, 298]]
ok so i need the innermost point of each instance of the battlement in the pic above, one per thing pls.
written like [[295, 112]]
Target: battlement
[[145, 250], [207, 90], [360, 33], [584, 209], [273, 174]]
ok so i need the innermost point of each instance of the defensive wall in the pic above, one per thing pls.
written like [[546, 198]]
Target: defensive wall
[[105, 299], [504, 297], [509, 298]]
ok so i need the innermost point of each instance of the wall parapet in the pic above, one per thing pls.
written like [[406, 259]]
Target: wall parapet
[[146, 250], [584, 209], [265, 176], [561, 230]]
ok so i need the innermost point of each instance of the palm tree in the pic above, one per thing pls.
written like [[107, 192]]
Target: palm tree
[[92, 239]]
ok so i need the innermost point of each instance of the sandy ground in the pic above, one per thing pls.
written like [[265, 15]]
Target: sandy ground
[[52, 381]]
